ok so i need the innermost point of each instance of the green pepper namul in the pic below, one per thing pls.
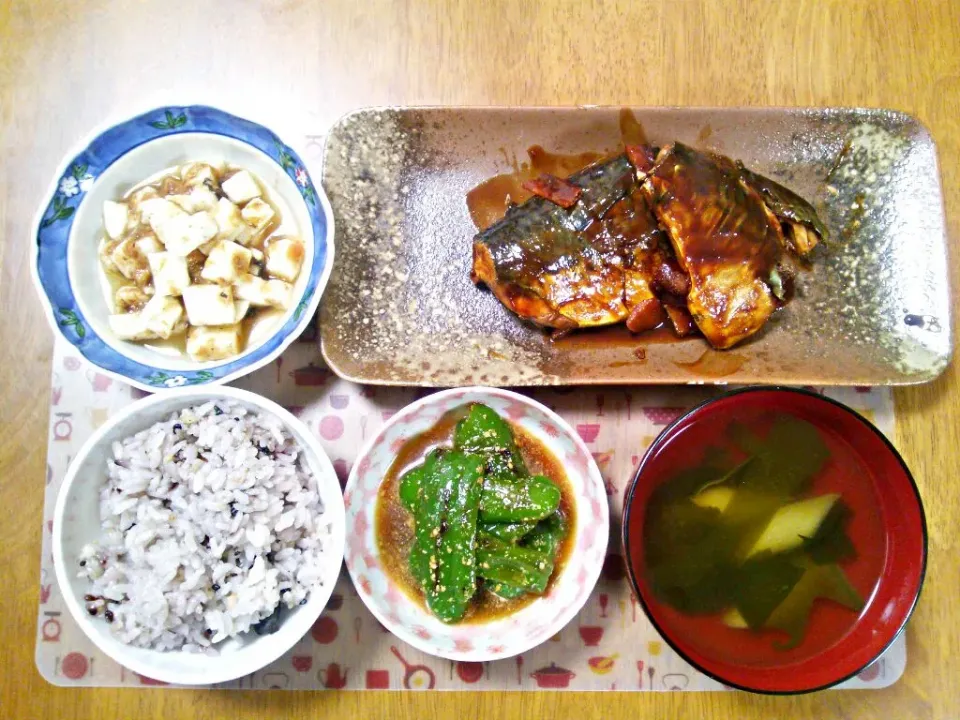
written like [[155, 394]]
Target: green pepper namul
[[479, 516]]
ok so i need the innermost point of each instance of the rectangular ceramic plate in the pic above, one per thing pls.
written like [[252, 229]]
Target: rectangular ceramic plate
[[400, 308]]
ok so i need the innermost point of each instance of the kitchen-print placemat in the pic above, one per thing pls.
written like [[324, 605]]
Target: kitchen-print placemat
[[610, 645]]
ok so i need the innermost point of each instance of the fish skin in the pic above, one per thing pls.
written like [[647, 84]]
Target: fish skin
[[583, 267]]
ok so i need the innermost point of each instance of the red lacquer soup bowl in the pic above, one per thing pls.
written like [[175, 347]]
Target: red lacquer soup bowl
[[886, 526]]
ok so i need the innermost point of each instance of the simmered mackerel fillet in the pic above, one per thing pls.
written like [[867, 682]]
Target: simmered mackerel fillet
[[591, 250], [592, 264], [725, 237]]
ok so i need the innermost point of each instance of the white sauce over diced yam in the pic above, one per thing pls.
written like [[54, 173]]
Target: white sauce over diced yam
[[284, 258], [201, 259]]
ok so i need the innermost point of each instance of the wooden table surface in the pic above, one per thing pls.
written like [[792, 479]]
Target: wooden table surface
[[297, 66]]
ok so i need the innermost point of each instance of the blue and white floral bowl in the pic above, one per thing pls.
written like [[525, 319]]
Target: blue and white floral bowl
[[68, 228]]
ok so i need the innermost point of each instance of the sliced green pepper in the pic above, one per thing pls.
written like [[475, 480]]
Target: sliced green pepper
[[432, 492], [506, 500], [547, 535], [514, 566], [455, 538], [485, 433], [505, 532], [504, 591], [409, 486]]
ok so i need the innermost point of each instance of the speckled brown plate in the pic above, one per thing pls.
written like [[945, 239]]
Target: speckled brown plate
[[400, 308]]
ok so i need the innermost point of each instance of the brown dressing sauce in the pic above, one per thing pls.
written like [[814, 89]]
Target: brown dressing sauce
[[395, 526], [714, 364], [488, 202]]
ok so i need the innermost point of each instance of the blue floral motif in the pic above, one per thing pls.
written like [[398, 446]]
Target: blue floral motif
[[53, 232]]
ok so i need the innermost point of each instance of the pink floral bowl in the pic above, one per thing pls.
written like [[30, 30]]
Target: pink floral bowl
[[502, 637]]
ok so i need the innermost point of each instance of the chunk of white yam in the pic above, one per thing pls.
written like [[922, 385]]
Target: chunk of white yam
[[137, 198], [184, 233], [717, 497], [131, 326], [230, 224], [284, 258], [241, 308], [241, 187], [198, 173], [263, 293], [209, 304], [130, 260], [149, 244], [226, 262], [170, 273], [257, 213], [199, 198], [130, 299], [162, 315], [279, 294], [115, 216], [213, 343], [792, 524], [156, 211]]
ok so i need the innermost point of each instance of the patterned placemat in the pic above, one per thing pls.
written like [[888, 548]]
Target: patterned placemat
[[610, 645]]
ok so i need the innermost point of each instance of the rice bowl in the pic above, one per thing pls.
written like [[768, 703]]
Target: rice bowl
[[197, 524]]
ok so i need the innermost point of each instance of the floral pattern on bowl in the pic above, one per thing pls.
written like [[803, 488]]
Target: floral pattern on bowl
[[533, 624], [75, 181]]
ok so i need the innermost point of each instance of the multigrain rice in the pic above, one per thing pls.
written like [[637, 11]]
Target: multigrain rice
[[212, 524]]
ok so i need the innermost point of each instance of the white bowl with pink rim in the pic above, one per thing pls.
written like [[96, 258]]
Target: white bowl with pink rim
[[502, 637]]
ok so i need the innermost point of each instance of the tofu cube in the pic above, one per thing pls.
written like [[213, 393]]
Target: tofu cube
[[209, 305], [162, 315], [130, 260], [149, 244], [279, 294], [284, 258], [170, 273], [251, 288], [138, 197], [156, 211], [226, 262], [184, 233], [263, 293], [198, 174], [213, 343], [115, 216], [230, 223], [241, 187], [257, 213], [130, 299], [241, 308], [131, 326], [199, 198]]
